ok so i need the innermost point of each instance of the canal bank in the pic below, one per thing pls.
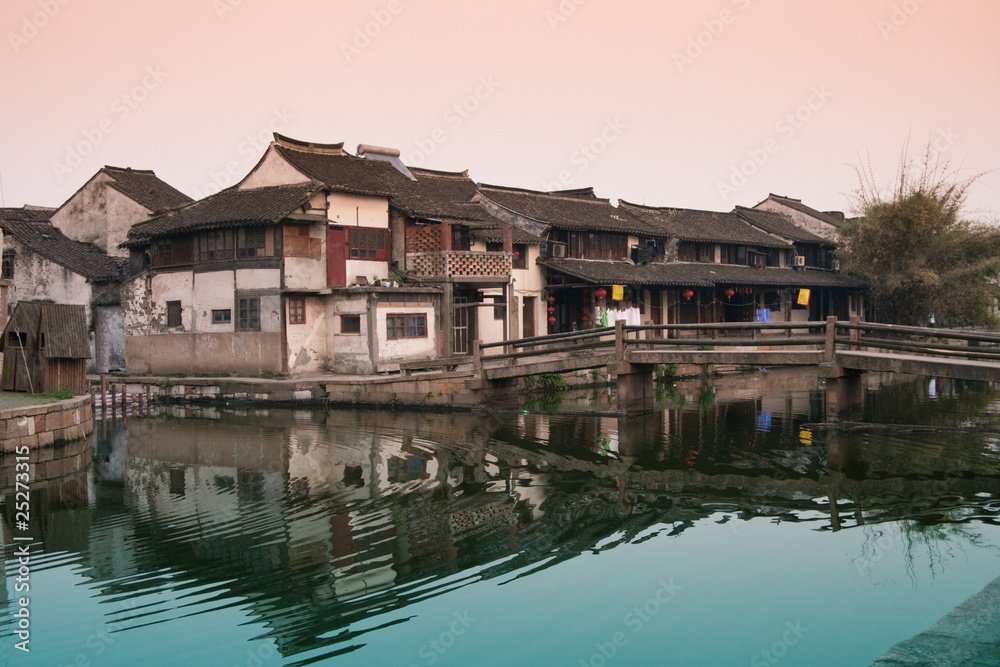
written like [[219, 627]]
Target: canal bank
[[969, 636]]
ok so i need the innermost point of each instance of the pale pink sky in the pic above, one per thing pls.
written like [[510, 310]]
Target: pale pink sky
[[666, 123]]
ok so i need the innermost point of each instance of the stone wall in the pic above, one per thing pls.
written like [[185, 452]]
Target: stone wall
[[49, 424]]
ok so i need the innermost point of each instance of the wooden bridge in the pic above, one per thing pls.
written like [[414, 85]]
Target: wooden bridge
[[840, 350]]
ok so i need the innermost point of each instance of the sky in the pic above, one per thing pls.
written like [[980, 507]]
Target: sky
[[705, 104]]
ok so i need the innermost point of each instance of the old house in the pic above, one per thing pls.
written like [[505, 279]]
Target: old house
[[45, 348], [826, 225], [103, 210], [40, 263]]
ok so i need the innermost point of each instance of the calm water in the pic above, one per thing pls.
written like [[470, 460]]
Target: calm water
[[729, 529]]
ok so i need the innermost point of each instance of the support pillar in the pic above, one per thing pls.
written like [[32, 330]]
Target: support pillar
[[636, 389], [845, 398]]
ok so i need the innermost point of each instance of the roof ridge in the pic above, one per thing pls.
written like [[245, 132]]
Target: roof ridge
[[110, 167], [457, 175], [310, 146], [552, 195]]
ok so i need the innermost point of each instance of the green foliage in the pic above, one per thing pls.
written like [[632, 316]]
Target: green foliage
[[706, 398], [917, 254], [706, 348], [61, 395], [166, 384]]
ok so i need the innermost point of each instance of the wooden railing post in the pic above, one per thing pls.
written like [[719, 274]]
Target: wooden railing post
[[477, 358], [830, 353], [855, 333], [620, 340]]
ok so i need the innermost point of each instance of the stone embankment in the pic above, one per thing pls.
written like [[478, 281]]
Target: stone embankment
[[47, 424]]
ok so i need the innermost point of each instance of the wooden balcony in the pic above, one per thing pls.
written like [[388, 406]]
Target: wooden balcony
[[459, 266]]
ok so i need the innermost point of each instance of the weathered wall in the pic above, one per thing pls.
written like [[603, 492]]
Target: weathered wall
[[84, 215], [273, 170], [49, 424], [401, 349], [308, 272], [212, 291], [38, 279], [109, 339], [350, 352], [802, 220], [121, 213], [250, 353], [307, 342]]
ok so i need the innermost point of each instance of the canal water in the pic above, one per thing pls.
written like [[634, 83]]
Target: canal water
[[737, 526]]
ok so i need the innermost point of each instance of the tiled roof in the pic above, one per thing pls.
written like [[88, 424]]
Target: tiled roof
[[830, 218], [343, 172], [229, 208], [143, 187], [702, 226], [572, 210], [27, 213], [438, 195], [678, 274], [44, 239], [780, 224], [495, 235]]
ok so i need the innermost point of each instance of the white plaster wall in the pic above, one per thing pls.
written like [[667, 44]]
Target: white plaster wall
[[405, 348], [258, 279], [306, 273], [174, 286], [806, 222], [489, 329], [349, 352], [38, 279], [84, 216], [273, 170], [121, 213], [213, 291], [135, 306], [307, 342], [358, 210]]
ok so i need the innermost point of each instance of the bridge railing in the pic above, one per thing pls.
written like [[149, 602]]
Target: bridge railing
[[951, 343]]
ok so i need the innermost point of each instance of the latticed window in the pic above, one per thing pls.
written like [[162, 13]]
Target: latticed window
[[7, 268], [249, 314], [368, 243], [215, 245], [250, 242], [296, 310], [406, 326]]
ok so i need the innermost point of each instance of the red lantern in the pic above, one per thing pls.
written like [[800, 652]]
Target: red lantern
[[584, 318], [600, 292], [552, 320], [551, 309], [729, 292], [687, 294], [552, 299]]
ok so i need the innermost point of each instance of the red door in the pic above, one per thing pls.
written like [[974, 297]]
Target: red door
[[336, 257]]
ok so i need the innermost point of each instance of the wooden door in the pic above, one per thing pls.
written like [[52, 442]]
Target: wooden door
[[336, 257], [527, 318]]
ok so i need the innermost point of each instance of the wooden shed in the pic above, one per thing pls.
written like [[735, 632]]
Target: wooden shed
[[45, 348]]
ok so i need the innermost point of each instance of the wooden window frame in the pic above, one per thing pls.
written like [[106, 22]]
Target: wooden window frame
[[344, 330], [245, 307], [250, 242], [222, 315], [360, 240], [7, 267], [394, 330], [175, 314], [296, 310]]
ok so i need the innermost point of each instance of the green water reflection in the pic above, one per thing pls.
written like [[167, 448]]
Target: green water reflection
[[715, 532]]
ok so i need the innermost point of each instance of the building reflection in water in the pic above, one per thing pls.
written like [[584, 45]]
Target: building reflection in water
[[316, 520]]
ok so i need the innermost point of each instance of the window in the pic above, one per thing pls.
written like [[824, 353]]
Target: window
[[406, 326], [494, 246], [7, 268], [520, 256], [41, 341], [17, 338], [460, 239], [249, 314], [222, 316], [350, 324], [296, 310], [173, 313], [215, 245], [367, 243], [250, 242], [499, 308], [597, 245]]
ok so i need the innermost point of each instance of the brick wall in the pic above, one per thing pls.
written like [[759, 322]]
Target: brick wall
[[49, 424]]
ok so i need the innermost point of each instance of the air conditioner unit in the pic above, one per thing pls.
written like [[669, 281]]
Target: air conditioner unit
[[758, 261], [835, 265], [558, 250], [800, 260]]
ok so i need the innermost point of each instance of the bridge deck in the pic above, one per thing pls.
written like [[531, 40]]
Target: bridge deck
[[914, 364]]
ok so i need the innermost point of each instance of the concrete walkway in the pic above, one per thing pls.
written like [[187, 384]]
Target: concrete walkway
[[969, 636]]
